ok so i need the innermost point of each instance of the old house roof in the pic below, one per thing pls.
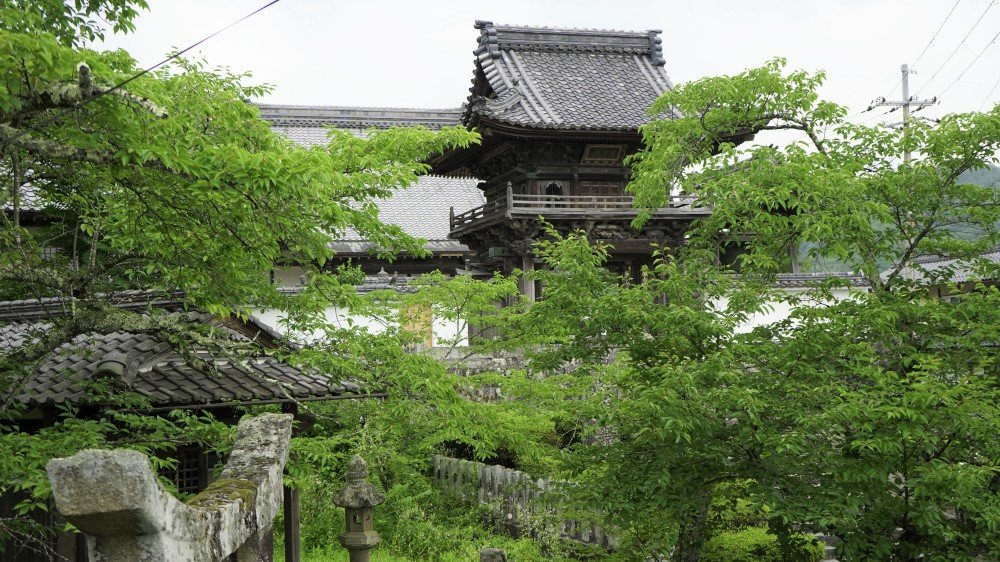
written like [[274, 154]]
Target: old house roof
[[940, 269], [558, 78], [420, 209], [79, 370]]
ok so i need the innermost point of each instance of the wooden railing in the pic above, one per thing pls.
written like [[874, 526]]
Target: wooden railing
[[599, 206], [490, 209]]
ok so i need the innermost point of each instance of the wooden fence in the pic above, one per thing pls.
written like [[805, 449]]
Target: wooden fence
[[518, 504]]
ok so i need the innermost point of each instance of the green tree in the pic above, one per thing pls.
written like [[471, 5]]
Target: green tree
[[872, 417], [653, 425], [170, 183], [173, 181], [878, 413]]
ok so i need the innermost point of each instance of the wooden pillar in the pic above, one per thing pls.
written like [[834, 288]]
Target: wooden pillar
[[293, 543], [528, 285], [636, 271]]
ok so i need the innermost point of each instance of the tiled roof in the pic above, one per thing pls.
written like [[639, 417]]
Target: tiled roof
[[802, 280], [142, 363], [420, 209], [150, 367], [307, 124], [47, 307], [566, 78], [945, 270], [383, 280], [13, 336]]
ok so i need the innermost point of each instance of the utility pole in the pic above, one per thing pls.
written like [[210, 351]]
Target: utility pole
[[905, 104]]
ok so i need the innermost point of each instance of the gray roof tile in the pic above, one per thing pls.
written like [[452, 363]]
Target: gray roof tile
[[944, 270], [804, 280], [47, 307], [420, 209], [154, 369], [566, 78], [308, 124]]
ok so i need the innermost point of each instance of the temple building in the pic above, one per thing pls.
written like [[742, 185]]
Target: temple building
[[559, 111]]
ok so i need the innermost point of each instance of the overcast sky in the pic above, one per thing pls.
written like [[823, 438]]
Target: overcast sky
[[403, 53]]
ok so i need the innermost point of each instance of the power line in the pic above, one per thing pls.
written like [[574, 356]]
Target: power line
[[186, 49], [960, 74], [883, 114], [899, 82], [940, 27], [140, 74], [957, 47], [989, 95]]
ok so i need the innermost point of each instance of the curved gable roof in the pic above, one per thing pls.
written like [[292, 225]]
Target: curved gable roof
[[560, 78]]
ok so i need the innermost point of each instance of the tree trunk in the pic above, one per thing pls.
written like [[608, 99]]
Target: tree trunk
[[692, 531]]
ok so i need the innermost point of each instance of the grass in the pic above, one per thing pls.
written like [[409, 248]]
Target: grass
[[338, 554]]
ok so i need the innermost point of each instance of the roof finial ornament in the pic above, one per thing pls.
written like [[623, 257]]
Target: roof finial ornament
[[488, 38], [656, 47]]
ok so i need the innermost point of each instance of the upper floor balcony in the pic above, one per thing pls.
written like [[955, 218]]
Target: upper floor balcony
[[566, 207]]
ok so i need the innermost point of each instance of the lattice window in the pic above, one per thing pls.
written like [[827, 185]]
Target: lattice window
[[187, 475], [603, 155], [600, 188]]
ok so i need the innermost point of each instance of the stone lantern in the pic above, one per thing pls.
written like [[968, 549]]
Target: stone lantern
[[358, 497]]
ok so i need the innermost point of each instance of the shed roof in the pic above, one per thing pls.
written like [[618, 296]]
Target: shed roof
[[80, 370], [561, 78]]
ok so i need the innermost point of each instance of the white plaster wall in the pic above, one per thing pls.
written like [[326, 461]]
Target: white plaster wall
[[778, 310], [449, 332], [444, 332]]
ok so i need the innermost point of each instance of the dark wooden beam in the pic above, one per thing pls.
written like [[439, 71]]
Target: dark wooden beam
[[293, 531]]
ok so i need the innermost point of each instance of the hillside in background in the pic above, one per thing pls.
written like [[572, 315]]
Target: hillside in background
[[987, 177]]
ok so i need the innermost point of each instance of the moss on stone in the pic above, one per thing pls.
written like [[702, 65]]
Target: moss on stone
[[223, 491]]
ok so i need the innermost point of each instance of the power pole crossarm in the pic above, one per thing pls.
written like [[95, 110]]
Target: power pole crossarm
[[905, 103]]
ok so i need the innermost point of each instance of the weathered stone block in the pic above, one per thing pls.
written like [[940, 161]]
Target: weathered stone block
[[114, 497]]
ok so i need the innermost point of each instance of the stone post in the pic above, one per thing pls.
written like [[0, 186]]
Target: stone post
[[114, 498], [492, 555], [358, 497]]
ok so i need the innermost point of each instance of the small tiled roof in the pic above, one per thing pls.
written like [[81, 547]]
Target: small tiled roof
[[383, 280], [420, 209], [47, 307], [566, 78], [153, 368]]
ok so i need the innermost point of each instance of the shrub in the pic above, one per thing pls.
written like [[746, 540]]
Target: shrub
[[755, 544], [734, 507]]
